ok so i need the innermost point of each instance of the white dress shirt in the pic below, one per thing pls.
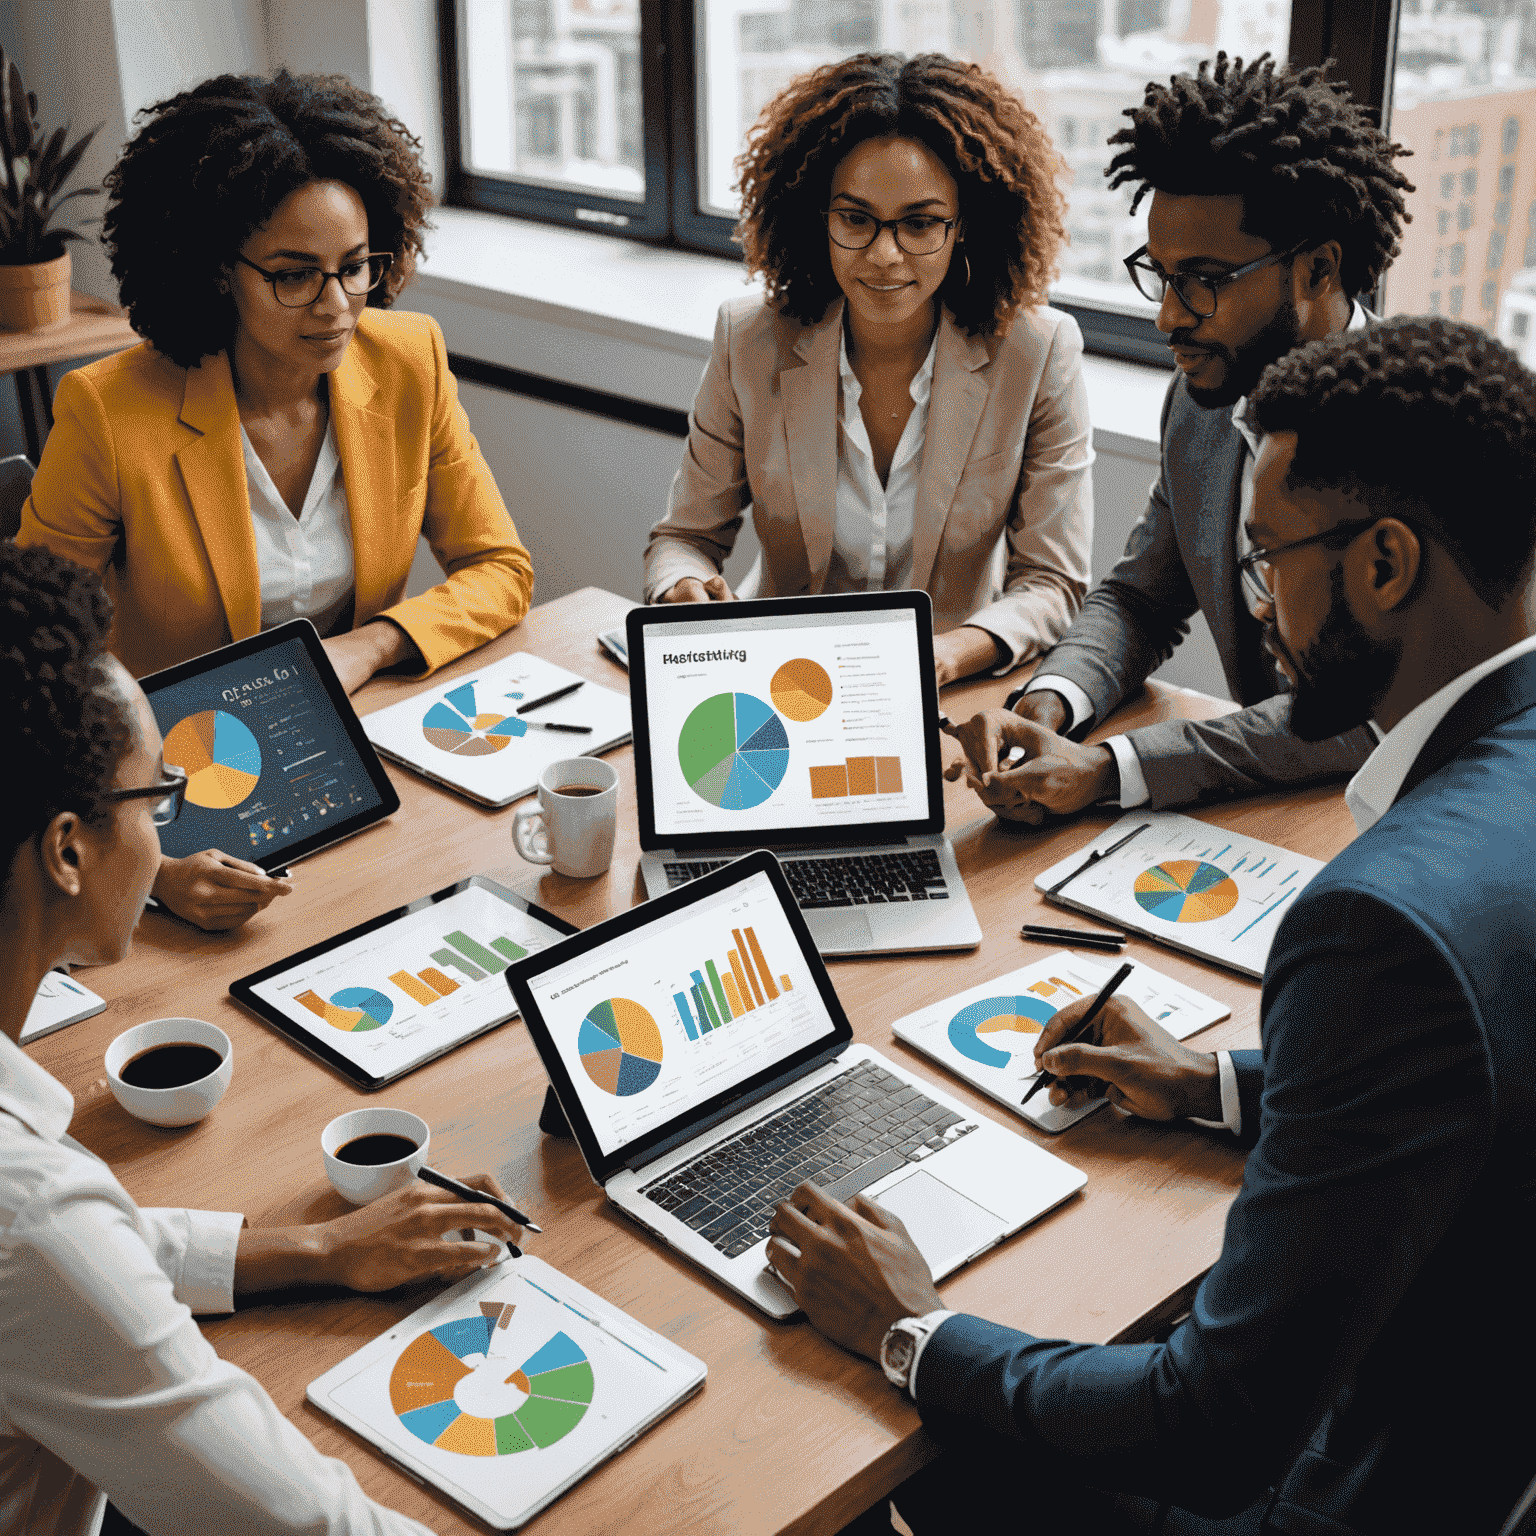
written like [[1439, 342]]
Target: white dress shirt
[[872, 538], [106, 1385], [304, 563]]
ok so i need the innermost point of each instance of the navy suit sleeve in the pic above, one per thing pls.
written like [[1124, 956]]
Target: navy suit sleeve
[[1249, 1069], [1376, 1116]]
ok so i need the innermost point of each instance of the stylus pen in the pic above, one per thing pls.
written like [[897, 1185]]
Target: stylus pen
[[549, 698], [555, 725], [1093, 858], [1084, 1024], [464, 1192]]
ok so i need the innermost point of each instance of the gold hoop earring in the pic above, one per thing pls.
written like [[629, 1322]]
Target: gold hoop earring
[[967, 260]]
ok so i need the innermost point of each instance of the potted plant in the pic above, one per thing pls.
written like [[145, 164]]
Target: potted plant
[[34, 261]]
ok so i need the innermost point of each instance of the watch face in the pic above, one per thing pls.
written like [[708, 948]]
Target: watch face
[[898, 1351]]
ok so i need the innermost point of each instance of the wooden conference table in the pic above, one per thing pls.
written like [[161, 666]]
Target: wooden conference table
[[789, 1433]]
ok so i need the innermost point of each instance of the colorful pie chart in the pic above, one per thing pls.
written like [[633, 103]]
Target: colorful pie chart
[[218, 754], [801, 689], [1006, 1019], [733, 751], [452, 1388], [1186, 891], [620, 1047], [455, 724]]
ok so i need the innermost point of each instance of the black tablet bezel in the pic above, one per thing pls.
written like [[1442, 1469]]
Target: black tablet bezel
[[311, 1042], [242, 650], [658, 616], [522, 976]]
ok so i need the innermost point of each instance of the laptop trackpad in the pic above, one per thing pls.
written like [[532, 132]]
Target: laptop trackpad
[[944, 1223], [841, 928]]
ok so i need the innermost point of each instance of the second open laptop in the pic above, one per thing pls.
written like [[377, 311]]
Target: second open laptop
[[808, 726], [706, 1067]]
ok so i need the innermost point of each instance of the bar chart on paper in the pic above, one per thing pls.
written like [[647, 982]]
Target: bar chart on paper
[[1188, 884]]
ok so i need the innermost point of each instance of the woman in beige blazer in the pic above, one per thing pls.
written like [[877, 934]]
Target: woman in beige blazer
[[899, 408]]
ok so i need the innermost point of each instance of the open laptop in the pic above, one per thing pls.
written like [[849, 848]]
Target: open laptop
[[706, 1067], [278, 765], [809, 726]]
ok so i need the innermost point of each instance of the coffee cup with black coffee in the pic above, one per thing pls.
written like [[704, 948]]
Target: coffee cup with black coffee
[[572, 826], [371, 1152], [170, 1072]]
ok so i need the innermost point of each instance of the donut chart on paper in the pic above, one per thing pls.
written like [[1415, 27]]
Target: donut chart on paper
[[733, 750], [801, 690], [1186, 891], [452, 1388], [455, 724], [620, 1047], [1001, 1016], [219, 755]]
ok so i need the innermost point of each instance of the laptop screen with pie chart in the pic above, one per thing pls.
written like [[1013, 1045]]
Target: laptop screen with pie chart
[[277, 763]]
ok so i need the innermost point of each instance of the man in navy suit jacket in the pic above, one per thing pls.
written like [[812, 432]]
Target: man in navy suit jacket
[[1359, 1358]]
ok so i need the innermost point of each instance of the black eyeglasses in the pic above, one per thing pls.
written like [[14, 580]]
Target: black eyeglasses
[[1341, 533], [1196, 292], [169, 796], [918, 234], [299, 287]]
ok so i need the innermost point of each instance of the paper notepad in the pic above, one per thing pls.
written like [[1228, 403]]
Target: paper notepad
[[60, 1000], [1215, 894], [987, 1035], [468, 735]]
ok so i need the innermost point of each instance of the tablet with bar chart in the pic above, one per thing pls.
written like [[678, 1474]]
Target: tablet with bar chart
[[381, 999], [1218, 895]]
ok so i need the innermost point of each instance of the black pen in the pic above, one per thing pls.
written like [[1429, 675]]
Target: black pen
[[1084, 1024], [1048, 935], [555, 725], [1093, 858], [549, 698], [465, 1192]]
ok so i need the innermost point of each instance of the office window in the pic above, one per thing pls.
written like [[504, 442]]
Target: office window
[[1443, 221], [1434, 302], [1457, 295], [1510, 135], [1490, 294], [1501, 211], [1495, 250], [1464, 216], [1469, 183], [1448, 187], [1519, 324], [1456, 260], [1529, 259], [1506, 180]]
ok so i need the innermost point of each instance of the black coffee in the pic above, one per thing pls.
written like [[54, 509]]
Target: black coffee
[[577, 790], [376, 1148], [171, 1066]]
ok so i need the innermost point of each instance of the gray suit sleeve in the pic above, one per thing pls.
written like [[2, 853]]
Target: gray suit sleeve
[[1134, 618], [1195, 761]]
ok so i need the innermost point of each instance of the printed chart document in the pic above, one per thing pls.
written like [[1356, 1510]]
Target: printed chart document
[[509, 1388], [987, 1035], [469, 736], [59, 1000], [1218, 895]]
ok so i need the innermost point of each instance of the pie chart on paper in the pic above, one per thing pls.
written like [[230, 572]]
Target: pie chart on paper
[[1186, 891], [1004, 1021], [620, 1047], [220, 756], [801, 690], [456, 724], [733, 751]]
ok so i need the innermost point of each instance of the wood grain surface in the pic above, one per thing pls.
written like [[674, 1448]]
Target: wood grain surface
[[790, 1433], [93, 327]]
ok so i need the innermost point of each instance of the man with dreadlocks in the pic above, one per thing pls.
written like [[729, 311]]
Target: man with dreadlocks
[[1274, 206]]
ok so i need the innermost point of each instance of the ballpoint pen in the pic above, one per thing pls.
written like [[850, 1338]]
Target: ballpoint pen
[[1095, 1008], [478, 1197], [549, 698], [1093, 858], [556, 725], [1093, 940]]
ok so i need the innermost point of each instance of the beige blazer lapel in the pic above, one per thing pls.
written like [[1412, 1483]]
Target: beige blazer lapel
[[809, 392], [213, 472], [365, 439], [955, 404]]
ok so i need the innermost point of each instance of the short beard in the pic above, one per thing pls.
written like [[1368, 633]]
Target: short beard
[[1280, 335], [1342, 677]]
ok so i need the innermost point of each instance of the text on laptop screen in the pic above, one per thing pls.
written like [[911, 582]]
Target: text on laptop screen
[[809, 721], [680, 1010], [268, 762]]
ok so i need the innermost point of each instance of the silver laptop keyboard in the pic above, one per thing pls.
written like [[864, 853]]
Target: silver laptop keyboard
[[860, 1126], [857, 880]]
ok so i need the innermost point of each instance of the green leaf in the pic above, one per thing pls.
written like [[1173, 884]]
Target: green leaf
[[66, 166], [15, 106], [6, 143], [50, 155]]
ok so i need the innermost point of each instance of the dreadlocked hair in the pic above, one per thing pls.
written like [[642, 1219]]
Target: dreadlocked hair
[[210, 166], [1428, 419], [1004, 165], [68, 733], [1294, 145]]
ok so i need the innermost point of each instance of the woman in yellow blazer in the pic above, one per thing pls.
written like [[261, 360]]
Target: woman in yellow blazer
[[279, 443]]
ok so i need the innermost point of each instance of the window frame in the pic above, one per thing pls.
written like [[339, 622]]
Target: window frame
[[1359, 35]]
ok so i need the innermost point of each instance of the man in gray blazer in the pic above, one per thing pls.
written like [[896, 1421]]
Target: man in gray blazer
[[1275, 204]]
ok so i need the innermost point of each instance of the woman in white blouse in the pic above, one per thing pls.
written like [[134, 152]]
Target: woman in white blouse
[[899, 408], [107, 1388]]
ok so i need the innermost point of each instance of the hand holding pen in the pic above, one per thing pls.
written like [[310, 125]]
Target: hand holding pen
[[1081, 1030]]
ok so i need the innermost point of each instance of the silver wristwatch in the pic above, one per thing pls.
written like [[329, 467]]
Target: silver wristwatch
[[898, 1348]]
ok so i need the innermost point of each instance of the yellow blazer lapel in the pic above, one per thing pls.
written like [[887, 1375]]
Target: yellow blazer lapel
[[955, 404], [809, 391], [213, 471], [365, 440]]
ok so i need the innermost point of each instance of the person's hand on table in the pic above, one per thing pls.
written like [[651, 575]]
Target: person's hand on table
[[410, 1235], [852, 1268], [1137, 1065], [1055, 776], [215, 890], [691, 590], [361, 652], [963, 651]]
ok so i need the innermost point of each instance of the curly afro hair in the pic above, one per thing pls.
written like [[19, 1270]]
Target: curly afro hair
[[1299, 150], [1427, 419], [210, 166], [1004, 166], [69, 733]]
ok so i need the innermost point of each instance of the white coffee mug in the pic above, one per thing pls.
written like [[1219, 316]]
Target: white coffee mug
[[362, 1183], [182, 1105], [574, 833]]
